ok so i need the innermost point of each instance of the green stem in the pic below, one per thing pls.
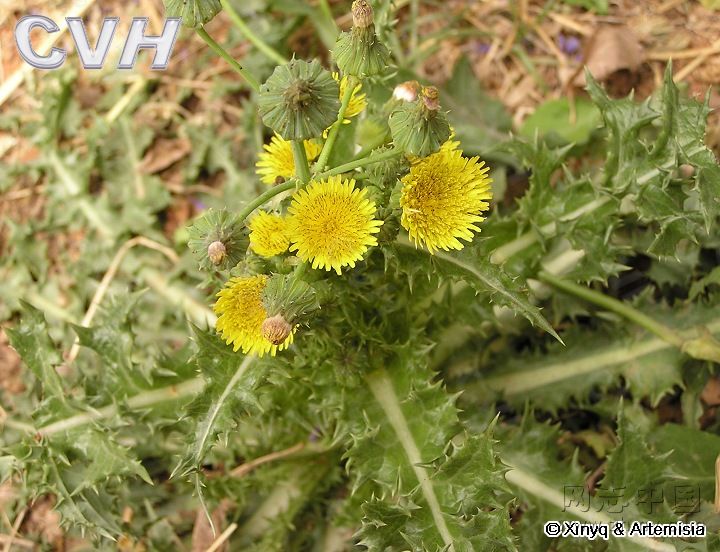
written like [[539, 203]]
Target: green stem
[[347, 167], [610, 303], [302, 169], [254, 39], [265, 197], [352, 82], [219, 50]]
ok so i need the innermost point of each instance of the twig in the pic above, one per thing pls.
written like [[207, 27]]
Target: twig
[[120, 106], [225, 535], [108, 277], [17, 541], [15, 528], [717, 485], [14, 80], [571, 24], [247, 467], [694, 64]]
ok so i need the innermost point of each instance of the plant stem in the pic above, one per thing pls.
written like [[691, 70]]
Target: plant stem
[[382, 389], [352, 82], [265, 197], [376, 158], [302, 170], [623, 309], [254, 39], [219, 50]]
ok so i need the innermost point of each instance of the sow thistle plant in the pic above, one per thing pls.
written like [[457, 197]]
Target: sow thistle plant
[[354, 299]]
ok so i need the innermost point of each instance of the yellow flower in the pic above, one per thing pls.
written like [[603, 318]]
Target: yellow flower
[[268, 234], [357, 100], [276, 161], [241, 314], [442, 198], [332, 224]]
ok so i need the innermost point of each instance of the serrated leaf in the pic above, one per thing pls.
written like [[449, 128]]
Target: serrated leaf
[[421, 493], [32, 342], [471, 266]]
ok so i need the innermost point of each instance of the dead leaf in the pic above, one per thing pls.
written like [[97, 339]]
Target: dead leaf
[[163, 153], [614, 47], [10, 368], [202, 535], [711, 392]]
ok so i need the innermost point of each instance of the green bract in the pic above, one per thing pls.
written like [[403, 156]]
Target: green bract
[[420, 127], [299, 100], [218, 240], [360, 52], [194, 13]]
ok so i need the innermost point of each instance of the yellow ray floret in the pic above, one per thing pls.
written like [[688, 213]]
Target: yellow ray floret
[[443, 197], [277, 161], [240, 316], [269, 234], [332, 223], [357, 101]]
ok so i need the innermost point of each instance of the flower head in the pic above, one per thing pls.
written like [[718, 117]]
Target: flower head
[[268, 234], [332, 223], [277, 161], [357, 101], [443, 197], [241, 315]]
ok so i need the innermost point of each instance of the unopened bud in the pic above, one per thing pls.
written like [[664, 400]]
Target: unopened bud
[[216, 252], [276, 329], [362, 14], [431, 98], [360, 52], [407, 91]]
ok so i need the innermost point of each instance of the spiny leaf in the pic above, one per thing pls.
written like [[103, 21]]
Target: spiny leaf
[[471, 266], [32, 342]]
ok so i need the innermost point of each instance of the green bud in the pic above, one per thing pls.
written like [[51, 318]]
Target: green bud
[[420, 127], [360, 52], [217, 240], [290, 297], [194, 13], [299, 100]]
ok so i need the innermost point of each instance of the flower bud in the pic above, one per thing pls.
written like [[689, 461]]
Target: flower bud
[[419, 128], [218, 240], [216, 252], [362, 14], [299, 100], [289, 298], [276, 329], [360, 52], [407, 91]]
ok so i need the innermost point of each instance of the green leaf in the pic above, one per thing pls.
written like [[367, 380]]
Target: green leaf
[[691, 458], [553, 118], [471, 266], [230, 384], [480, 121], [422, 492], [194, 13], [31, 340]]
